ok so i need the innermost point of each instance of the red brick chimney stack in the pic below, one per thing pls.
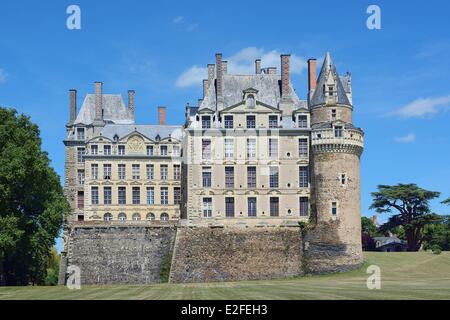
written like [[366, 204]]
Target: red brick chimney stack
[[312, 77], [131, 103], [98, 101], [73, 105], [162, 115], [285, 74]]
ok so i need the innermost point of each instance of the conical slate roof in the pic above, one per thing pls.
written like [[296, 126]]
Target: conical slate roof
[[328, 70]]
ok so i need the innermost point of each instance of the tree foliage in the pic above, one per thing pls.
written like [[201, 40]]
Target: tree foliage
[[32, 203], [411, 204], [368, 226], [437, 235]]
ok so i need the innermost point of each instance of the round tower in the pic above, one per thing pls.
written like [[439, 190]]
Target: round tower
[[334, 241]]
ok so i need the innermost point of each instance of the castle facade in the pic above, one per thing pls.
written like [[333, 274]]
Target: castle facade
[[250, 154]]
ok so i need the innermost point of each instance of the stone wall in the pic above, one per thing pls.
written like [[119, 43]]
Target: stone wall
[[205, 254], [121, 255]]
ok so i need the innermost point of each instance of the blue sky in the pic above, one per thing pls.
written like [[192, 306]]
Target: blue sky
[[401, 78]]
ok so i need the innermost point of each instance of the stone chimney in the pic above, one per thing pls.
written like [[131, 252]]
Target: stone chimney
[[162, 115], [205, 88], [258, 66], [285, 75], [312, 77], [131, 103], [98, 101], [225, 67], [219, 73], [211, 74], [271, 70], [73, 105]]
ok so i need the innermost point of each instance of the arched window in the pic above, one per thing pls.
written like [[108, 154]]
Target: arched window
[[250, 101], [164, 217], [136, 216], [150, 216], [122, 216], [107, 217]]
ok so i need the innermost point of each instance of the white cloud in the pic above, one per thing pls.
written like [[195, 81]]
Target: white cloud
[[3, 76], [191, 77], [178, 19], [192, 27], [242, 62], [406, 139], [422, 107]]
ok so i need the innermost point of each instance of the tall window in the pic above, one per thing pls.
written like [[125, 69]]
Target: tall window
[[107, 171], [121, 150], [176, 172], [164, 195], [273, 177], [229, 207], [273, 121], [251, 148], [177, 195], [303, 177], [94, 195], [273, 148], [206, 177], [334, 209], [251, 206], [333, 114], [150, 168], [228, 122], [304, 206], [80, 200], [136, 194], [274, 206], [251, 177], [150, 195], [149, 150], [338, 131], [107, 150], [94, 171], [343, 178], [94, 149], [207, 207], [80, 133], [302, 121], [135, 171], [229, 148], [80, 177], [251, 122], [164, 169], [330, 90], [122, 195], [80, 154], [121, 170], [251, 101], [303, 148], [229, 177], [163, 150], [206, 122], [206, 149], [107, 195], [176, 151]]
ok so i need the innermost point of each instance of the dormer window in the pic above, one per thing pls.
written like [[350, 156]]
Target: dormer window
[[121, 150], [80, 133], [228, 122], [107, 150], [251, 101], [273, 121], [206, 122], [158, 138], [338, 131], [302, 121], [330, 90]]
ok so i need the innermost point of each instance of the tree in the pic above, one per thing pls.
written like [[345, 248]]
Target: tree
[[32, 203], [412, 205], [447, 201], [368, 226], [437, 235]]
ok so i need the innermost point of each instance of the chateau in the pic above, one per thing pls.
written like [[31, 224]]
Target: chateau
[[257, 183]]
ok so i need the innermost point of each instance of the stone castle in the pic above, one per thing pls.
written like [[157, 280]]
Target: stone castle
[[256, 184]]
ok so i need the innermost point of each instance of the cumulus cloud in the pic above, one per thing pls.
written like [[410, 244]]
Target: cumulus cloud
[[422, 107], [242, 62], [3, 76], [406, 139]]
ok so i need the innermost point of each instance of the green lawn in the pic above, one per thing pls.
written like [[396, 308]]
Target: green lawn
[[403, 276]]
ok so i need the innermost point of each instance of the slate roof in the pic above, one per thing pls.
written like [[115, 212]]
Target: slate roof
[[233, 86], [329, 69], [114, 110], [150, 131]]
